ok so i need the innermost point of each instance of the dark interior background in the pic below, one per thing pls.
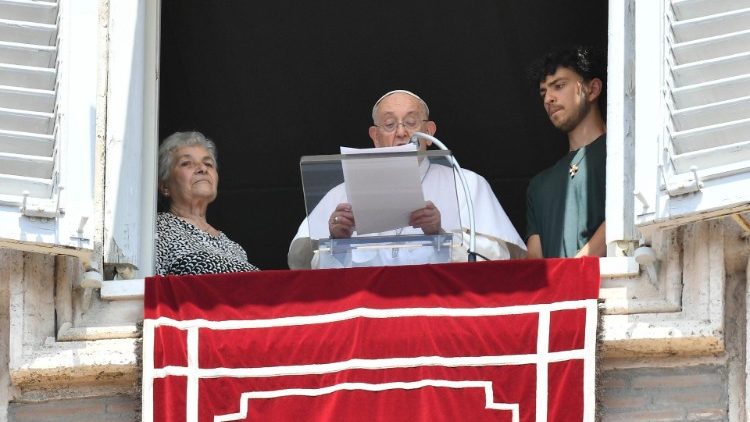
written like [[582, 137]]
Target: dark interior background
[[272, 81]]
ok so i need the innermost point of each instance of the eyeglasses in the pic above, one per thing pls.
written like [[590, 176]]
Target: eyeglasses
[[410, 125]]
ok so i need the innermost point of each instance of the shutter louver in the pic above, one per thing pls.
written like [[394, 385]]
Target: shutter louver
[[710, 84], [28, 79], [704, 158]]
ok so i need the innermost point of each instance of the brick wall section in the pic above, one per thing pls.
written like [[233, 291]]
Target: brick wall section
[[100, 409], [697, 393]]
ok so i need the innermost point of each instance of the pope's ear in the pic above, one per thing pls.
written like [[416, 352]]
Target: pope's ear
[[373, 134], [431, 127]]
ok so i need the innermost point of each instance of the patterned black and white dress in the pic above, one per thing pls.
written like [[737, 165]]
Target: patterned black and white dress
[[182, 248]]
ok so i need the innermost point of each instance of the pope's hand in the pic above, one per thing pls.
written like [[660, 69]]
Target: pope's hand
[[341, 223], [427, 219]]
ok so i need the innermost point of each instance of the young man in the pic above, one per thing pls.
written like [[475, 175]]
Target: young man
[[396, 116], [565, 203]]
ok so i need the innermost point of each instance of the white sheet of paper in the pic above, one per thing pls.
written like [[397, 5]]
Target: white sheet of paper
[[383, 191]]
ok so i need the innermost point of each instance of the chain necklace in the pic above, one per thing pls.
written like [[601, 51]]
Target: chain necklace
[[573, 167]]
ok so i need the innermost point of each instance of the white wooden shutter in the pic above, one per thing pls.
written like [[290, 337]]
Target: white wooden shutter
[[28, 62], [47, 113], [692, 109]]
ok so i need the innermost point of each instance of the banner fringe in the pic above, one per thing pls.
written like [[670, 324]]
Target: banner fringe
[[599, 412]]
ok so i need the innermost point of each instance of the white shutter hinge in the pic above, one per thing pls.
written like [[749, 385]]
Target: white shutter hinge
[[684, 186], [46, 209]]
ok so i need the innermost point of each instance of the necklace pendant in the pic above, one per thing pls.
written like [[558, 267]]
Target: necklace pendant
[[573, 170]]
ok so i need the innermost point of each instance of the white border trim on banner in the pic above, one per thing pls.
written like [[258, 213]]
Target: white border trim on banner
[[353, 386], [541, 359]]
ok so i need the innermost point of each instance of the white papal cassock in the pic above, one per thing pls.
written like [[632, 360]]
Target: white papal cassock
[[494, 229]]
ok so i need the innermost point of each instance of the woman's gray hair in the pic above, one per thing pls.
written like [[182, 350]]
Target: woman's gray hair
[[178, 140]]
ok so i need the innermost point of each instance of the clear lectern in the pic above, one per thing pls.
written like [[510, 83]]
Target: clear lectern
[[374, 187]]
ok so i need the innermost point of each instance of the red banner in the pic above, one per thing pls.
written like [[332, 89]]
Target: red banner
[[500, 341]]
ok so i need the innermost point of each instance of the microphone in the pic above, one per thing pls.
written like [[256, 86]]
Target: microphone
[[472, 253]]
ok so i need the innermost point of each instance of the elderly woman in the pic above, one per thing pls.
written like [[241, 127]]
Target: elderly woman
[[185, 242]]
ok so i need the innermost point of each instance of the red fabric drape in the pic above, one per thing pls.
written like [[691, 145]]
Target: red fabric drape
[[448, 342]]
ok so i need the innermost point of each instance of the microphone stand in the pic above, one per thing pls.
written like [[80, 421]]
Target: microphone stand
[[472, 253]]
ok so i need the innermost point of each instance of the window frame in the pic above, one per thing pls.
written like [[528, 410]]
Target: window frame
[[129, 203]]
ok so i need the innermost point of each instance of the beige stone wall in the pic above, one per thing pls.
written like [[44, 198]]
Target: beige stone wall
[[689, 388], [60, 343], [99, 409], [5, 385]]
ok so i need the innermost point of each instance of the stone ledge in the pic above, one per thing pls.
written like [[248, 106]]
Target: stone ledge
[[68, 363], [68, 333], [663, 337]]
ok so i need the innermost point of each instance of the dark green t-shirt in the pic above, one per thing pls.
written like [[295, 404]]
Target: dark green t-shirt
[[566, 210]]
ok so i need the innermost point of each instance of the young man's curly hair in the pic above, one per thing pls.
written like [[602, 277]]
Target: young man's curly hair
[[583, 60]]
